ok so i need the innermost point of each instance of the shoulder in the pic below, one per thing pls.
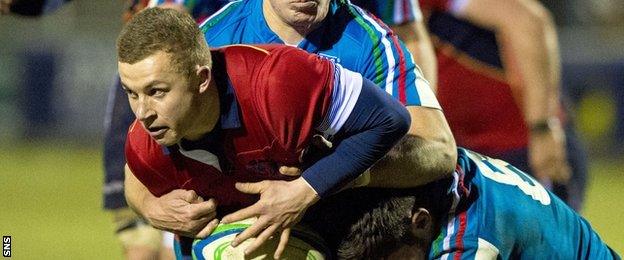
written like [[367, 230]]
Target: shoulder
[[228, 16], [244, 57], [363, 26]]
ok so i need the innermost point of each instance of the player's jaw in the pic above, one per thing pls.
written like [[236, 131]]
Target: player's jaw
[[164, 135], [301, 13]]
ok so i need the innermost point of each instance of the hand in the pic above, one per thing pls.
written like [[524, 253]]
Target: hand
[[5, 6], [547, 155], [281, 205], [182, 212]]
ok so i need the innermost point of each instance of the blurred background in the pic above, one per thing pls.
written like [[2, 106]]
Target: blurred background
[[55, 72]]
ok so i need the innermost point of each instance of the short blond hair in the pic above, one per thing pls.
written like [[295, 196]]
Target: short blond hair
[[167, 30]]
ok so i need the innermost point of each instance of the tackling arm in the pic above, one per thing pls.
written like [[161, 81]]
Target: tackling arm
[[427, 153]]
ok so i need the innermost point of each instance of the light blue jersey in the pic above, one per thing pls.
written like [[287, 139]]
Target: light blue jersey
[[348, 36], [501, 212]]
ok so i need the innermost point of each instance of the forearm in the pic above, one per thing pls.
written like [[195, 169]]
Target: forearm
[[533, 60], [375, 124], [136, 193], [427, 153]]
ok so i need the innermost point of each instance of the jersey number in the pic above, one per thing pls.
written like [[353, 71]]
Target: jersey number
[[502, 172]]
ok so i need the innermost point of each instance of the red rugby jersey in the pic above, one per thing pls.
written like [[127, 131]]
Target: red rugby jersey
[[282, 93]]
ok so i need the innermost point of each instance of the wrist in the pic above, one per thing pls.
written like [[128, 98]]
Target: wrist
[[311, 196]]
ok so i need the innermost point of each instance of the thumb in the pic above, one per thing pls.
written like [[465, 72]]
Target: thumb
[[252, 187]]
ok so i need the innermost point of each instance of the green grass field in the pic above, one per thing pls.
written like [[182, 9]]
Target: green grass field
[[51, 202]]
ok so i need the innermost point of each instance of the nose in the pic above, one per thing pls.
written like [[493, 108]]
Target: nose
[[143, 110]]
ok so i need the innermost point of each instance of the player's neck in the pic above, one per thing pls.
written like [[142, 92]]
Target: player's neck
[[288, 33]]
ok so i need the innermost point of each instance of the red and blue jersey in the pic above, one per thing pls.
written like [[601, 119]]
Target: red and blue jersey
[[273, 99], [348, 35], [482, 108]]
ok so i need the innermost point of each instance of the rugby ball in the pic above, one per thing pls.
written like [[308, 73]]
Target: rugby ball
[[302, 244]]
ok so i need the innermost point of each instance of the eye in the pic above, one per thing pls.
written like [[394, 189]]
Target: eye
[[157, 93], [130, 93]]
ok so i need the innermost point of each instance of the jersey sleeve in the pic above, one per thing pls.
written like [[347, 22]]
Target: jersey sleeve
[[297, 92], [390, 65], [293, 93]]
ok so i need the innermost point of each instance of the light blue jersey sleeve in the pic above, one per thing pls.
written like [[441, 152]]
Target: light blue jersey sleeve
[[389, 64]]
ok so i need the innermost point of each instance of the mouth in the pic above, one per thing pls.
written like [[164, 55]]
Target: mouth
[[157, 131], [306, 6]]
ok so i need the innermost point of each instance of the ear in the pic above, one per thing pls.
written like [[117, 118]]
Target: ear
[[205, 76], [422, 223]]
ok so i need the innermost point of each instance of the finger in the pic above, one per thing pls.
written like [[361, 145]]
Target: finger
[[251, 187], [250, 232], [198, 199], [203, 209], [290, 171], [263, 237], [282, 243], [245, 213], [206, 231]]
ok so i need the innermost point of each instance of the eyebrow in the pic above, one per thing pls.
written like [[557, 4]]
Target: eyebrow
[[146, 86]]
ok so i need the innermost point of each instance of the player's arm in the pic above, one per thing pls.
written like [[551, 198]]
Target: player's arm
[[526, 33], [364, 121], [428, 151], [179, 211], [417, 41]]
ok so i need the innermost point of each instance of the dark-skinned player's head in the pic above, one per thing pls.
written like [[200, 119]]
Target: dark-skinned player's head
[[366, 223]]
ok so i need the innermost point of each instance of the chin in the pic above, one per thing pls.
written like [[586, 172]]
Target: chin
[[167, 141]]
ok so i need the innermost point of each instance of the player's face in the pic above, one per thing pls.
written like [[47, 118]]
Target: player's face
[[160, 97], [300, 13]]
